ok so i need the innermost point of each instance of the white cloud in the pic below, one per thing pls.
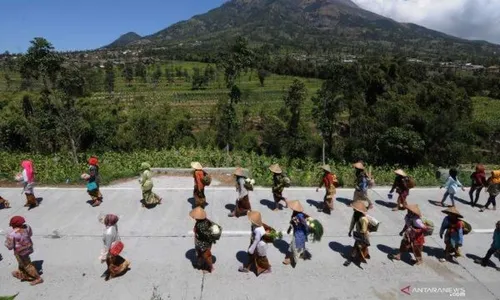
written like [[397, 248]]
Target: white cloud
[[470, 19]]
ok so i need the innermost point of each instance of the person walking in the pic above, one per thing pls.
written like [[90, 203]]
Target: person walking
[[362, 183], [93, 179], [359, 223], [116, 264], [452, 184], [494, 248], [478, 182], [493, 190], [149, 198], [199, 186], [330, 182], [278, 185], [202, 239], [454, 236], [413, 234], [401, 186], [299, 228], [257, 252], [243, 202], [27, 177], [20, 241]]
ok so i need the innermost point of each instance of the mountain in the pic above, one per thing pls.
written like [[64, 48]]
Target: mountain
[[310, 25], [125, 40]]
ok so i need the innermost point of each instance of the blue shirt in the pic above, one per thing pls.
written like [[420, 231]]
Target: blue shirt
[[496, 239], [300, 231], [452, 185]]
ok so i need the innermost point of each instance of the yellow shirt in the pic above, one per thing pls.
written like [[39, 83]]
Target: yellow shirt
[[361, 225]]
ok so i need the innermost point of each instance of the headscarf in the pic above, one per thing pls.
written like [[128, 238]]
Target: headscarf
[[93, 161], [111, 220], [145, 166], [28, 166], [17, 221]]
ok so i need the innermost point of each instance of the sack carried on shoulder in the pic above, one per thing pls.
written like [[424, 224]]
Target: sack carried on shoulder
[[372, 224], [207, 179], [91, 186], [467, 227], [411, 183], [216, 231], [248, 186]]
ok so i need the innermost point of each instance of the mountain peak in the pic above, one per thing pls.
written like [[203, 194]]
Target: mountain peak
[[124, 40]]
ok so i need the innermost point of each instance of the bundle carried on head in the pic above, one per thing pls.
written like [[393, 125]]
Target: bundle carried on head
[[315, 229]]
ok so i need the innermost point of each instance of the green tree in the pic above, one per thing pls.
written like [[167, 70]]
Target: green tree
[[128, 73], [41, 62], [157, 75], [141, 71], [169, 74], [400, 146], [109, 79], [296, 142], [227, 123], [8, 80]]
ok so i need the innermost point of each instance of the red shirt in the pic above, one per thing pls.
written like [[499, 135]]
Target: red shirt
[[198, 176], [329, 179]]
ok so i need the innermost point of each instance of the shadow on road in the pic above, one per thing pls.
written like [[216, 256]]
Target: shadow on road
[[191, 201], [316, 204], [387, 204], [230, 207], [38, 266], [391, 252], [148, 206], [343, 250], [478, 260], [191, 256], [346, 201], [282, 246], [242, 257], [435, 203], [434, 252], [462, 201], [270, 204]]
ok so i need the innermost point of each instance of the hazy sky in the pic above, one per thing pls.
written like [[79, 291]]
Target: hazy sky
[[471, 19], [75, 25]]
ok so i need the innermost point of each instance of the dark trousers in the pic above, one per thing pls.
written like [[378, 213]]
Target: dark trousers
[[489, 254], [477, 189], [491, 200]]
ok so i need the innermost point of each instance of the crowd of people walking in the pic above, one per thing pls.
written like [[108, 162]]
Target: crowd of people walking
[[302, 227]]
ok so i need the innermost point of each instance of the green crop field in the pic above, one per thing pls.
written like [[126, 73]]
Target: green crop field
[[487, 109]]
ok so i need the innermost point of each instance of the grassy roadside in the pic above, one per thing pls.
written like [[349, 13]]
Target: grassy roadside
[[60, 169]]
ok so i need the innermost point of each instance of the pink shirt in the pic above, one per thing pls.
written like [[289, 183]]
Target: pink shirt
[[20, 241]]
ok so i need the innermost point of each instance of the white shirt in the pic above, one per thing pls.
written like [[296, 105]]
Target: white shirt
[[258, 244]]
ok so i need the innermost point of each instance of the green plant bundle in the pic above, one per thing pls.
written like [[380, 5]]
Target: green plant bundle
[[315, 229]]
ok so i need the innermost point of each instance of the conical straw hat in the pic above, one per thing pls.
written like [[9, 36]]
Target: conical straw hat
[[295, 205], [452, 211], [400, 172], [198, 213], [255, 217], [275, 169], [359, 206], [327, 168], [414, 209], [196, 165], [239, 172], [359, 165]]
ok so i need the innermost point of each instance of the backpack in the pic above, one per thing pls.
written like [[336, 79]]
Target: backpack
[[430, 226], [207, 179], [411, 183]]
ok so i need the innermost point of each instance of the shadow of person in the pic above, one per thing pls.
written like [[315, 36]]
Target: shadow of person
[[462, 201], [230, 207], [343, 250], [39, 200], [192, 202], [191, 256], [147, 206], [317, 204], [38, 264], [435, 203], [345, 201], [391, 252], [242, 257], [434, 252], [282, 246], [387, 204], [270, 204], [479, 260]]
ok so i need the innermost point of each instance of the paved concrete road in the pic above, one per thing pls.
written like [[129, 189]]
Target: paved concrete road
[[159, 245]]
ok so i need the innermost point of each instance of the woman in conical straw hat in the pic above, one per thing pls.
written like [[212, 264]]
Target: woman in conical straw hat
[[199, 186], [278, 185], [362, 183], [454, 236], [413, 234], [400, 185], [202, 240], [257, 252], [330, 182], [359, 223], [148, 197], [242, 202], [299, 226]]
